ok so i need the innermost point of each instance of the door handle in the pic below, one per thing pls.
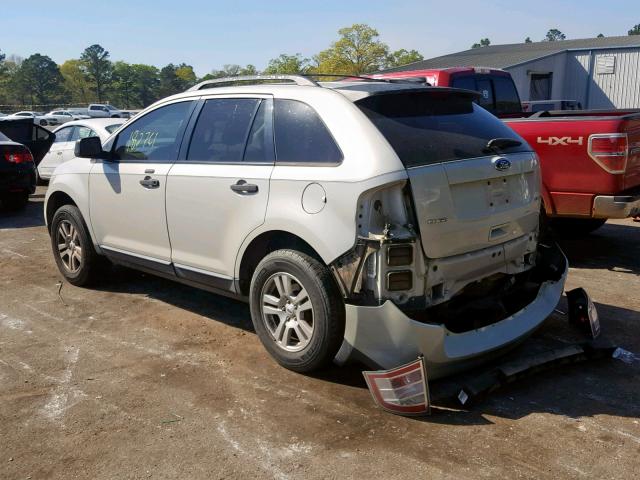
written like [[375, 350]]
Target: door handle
[[242, 187], [149, 182]]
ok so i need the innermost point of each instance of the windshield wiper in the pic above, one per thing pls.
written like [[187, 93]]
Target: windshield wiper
[[498, 144]]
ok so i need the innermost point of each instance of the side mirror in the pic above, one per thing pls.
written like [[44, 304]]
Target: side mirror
[[90, 147]]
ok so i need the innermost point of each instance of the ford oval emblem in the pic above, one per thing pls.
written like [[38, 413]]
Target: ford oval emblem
[[502, 164]]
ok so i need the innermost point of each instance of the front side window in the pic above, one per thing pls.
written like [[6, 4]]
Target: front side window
[[221, 133], [64, 135], [301, 136], [154, 137]]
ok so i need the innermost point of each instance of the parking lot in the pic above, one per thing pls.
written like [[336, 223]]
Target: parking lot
[[145, 378]]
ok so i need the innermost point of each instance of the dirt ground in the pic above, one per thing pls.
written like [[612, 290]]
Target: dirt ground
[[145, 378]]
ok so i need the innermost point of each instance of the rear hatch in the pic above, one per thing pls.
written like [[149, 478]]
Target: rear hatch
[[467, 195]]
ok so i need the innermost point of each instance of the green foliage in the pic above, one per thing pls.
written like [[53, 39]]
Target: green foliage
[[600, 35], [485, 42], [356, 52], [231, 70], [76, 82], [555, 35], [635, 30], [39, 80], [95, 61], [403, 57], [287, 64], [528, 40]]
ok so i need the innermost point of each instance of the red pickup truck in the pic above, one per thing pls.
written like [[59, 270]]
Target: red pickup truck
[[590, 159]]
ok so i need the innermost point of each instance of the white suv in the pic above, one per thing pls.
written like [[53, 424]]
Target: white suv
[[360, 219]]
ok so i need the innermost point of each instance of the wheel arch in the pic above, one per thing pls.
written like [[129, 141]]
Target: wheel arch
[[263, 244]]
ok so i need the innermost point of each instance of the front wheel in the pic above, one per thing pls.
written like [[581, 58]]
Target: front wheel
[[297, 310], [575, 227], [72, 247]]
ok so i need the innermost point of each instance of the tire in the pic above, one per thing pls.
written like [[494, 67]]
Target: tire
[[575, 227], [15, 201], [84, 270], [43, 123], [311, 338]]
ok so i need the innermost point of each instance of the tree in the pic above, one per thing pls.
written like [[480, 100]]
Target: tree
[[555, 35], [600, 35], [231, 70], [528, 40], [95, 61], [485, 42], [41, 79], [145, 86], [124, 85], [287, 64], [635, 30], [357, 51], [186, 75], [403, 57], [76, 82]]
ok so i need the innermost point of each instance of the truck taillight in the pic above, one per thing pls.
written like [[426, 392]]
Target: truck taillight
[[610, 151], [18, 156]]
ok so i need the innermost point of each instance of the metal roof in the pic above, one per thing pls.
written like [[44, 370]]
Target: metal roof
[[504, 56]]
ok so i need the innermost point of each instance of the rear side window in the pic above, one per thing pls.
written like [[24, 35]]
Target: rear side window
[[301, 136], [435, 127], [507, 99], [221, 133], [155, 136]]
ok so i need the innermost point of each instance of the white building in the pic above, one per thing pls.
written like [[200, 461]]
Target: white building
[[598, 72]]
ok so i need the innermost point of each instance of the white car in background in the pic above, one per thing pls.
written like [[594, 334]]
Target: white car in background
[[62, 149], [64, 116], [101, 110], [38, 118]]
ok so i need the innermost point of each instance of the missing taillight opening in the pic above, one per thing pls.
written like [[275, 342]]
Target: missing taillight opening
[[610, 151]]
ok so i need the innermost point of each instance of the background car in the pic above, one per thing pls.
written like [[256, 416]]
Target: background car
[[22, 145], [62, 149], [64, 116], [38, 118], [101, 110]]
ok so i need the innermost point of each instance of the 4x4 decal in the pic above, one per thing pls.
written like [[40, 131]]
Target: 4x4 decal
[[552, 141]]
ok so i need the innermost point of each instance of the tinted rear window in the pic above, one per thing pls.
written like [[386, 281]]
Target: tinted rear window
[[507, 99], [435, 127]]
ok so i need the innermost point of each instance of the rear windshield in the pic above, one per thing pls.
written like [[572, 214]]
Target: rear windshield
[[436, 127]]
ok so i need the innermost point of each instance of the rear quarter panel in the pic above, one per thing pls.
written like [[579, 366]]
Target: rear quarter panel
[[569, 175]]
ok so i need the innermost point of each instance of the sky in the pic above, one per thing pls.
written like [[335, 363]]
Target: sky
[[209, 34]]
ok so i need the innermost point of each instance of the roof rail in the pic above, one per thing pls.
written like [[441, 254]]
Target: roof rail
[[218, 82]]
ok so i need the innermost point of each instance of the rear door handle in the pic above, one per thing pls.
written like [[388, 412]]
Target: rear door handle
[[241, 186], [149, 182]]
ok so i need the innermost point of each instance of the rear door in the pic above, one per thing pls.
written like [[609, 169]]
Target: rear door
[[54, 156], [466, 196], [217, 192]]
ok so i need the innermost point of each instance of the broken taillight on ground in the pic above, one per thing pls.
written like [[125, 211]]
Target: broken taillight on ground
[[403, 390]]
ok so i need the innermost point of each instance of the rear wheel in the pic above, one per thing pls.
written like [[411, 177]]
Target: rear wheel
[[72, 247], [575, 227], [297, 310]]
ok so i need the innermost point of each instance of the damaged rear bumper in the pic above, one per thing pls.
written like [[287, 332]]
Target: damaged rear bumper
[[384, 336]]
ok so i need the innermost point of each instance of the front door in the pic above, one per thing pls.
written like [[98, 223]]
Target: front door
[[127, 192], [217, 194]]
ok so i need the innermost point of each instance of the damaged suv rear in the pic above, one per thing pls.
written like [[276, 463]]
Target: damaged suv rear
[[360, 219], [448, 263]]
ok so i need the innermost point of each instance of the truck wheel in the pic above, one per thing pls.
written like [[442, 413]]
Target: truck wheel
[[43, 123], [72, 247], [575, 227], [15, 201], [297, 310]]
